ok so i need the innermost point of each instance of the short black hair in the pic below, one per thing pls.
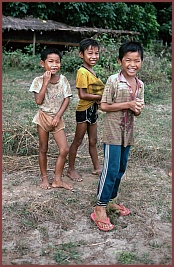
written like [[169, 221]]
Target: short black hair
[[50, 50], [85, 43], [130, 46]]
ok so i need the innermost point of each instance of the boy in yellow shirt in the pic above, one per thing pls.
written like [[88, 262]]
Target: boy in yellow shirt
[[90, 89]]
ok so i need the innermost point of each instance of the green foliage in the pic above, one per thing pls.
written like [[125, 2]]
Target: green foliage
[[67, 252], [29, 49], [145, 21], [71, 60], [20, 60], [119, 15], [137, 18], [165, 20], [21, 9], [156, 71], [127, 257], [133, 258]]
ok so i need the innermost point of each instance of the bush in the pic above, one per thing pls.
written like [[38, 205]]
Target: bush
[[20, 60], [156, 71], [71, 60]]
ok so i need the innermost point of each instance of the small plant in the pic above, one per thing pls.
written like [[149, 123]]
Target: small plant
[[67, 253], [132, 258], [127, 257]]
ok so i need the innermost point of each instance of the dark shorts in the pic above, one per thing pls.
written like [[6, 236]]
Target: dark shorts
[[90, 115]]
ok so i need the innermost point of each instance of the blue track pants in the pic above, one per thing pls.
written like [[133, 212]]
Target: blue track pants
[[114, 166]]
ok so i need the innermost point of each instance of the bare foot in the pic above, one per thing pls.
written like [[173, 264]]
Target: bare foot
[[113, 206], [59, 183], [170, 173], [101, 219], [120, 209], [73, 175], [45, 183], [97, 172]]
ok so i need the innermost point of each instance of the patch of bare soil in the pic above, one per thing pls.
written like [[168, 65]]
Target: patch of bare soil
[[49, 227]]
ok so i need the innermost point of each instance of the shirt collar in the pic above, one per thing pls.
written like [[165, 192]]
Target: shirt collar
[[122, 79]]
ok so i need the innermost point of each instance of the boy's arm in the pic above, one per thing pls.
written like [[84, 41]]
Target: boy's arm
[[62, 109], [39, 97], [132, 105], [84, 95], [140, 99], [107, 103]]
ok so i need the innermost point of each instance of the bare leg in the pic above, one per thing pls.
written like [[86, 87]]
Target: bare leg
[[79, 134], [43, 147], [61, 141], [92, 135]]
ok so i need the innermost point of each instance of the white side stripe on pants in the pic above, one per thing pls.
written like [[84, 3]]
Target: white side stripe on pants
[[104, 171]]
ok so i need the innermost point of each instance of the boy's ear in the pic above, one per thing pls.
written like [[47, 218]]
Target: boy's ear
[[80, 54], [42, 63], [119, 61]]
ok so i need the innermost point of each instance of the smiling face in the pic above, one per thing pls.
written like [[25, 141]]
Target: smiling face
[[131, 64], [90, 56], [52, 63]]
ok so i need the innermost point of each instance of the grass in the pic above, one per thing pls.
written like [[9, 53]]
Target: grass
[[132, 258], [66, 253], [60, 220]]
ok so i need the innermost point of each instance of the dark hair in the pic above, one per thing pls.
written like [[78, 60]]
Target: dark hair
[[130, 46], [50, 50], [85, 43]]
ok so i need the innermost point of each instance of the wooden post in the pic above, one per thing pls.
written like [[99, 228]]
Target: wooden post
[[34, 42]]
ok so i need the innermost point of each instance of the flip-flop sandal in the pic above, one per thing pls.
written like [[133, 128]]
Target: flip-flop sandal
[[121, 210], [107, 222]]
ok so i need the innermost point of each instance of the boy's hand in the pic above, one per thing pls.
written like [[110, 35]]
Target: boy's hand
[[139, 101], [55, 121], [136, 106], [47, 77], [139, 105]]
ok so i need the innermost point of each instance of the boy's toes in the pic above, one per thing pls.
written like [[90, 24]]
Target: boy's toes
[[44, 186]]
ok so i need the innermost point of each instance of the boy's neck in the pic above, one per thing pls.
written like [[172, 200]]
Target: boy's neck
[[129, 78], [88, 67], [54, 78]]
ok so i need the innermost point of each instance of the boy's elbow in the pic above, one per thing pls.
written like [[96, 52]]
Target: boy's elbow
[[38, 102], [103, 107], [67, 100]]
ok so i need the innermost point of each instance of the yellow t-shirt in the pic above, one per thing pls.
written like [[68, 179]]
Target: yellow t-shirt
[[93, 85]]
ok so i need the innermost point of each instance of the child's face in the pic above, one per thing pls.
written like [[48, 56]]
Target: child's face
[[131, 63], [90, 56], [52, 63]]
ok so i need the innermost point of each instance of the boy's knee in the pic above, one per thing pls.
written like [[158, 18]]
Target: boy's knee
[[93, 142], [65, 151], [78, 142], [43, 149]]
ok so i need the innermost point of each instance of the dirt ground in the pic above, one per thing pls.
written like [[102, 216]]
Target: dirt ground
[[53, 227]]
